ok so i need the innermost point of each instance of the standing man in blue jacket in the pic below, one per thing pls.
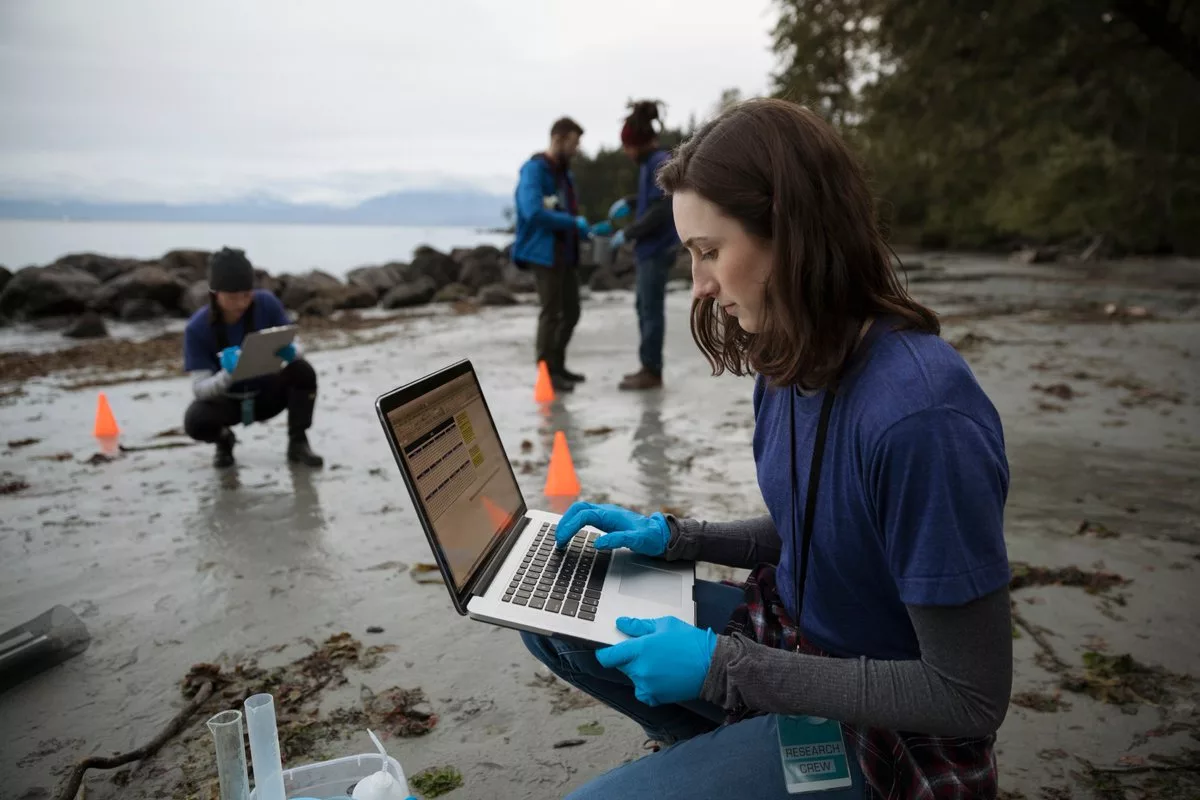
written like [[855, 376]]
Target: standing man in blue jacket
[[549, 230], [656, 243]]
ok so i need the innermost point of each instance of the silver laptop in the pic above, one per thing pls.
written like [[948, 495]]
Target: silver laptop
[[498, 557]]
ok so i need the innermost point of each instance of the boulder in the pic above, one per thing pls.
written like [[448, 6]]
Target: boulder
[[299, 289], [353, 296], [191, 265], [195, 298], [103, 268], [264, 280], [48, 291], [429, 263], [604, 279], [480, 269], [140, 309], [5, 276], [497, 294], [90, 325], [414, 293], [519, 280], [454, 293], [459, 254], [379, 279], [143, 283], [317, 306]]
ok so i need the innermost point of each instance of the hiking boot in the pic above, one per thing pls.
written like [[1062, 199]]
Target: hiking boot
[[641, 381], [573, 377], [561, 383], [223, 458], [300, 453]]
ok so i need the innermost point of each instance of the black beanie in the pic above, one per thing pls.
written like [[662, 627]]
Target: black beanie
[[230, 271]]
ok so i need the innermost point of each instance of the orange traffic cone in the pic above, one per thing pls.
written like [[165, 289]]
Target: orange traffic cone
[[106, 423], [561, 480], [543, 390]]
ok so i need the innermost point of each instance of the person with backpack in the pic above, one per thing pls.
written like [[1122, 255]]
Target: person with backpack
[[655, 243], [211, 347], [549, 229]]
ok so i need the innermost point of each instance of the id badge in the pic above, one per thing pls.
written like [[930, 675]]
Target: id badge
[[813, 753], [247, 410]]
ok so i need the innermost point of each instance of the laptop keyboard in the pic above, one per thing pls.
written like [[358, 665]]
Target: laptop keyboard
[[560, 581]]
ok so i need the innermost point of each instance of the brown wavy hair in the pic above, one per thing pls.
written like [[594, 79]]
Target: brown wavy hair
[[787, 176]]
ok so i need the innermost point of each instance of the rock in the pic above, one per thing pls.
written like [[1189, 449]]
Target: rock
[[355, 297], [265, 281], [519, 280], [90, 325], [417, 292], [481, 268], [103, 268], [299, 289], [429, 263], [317, 306], [604, 279], [140, 309], [1036, 255], [195, 298], [459, 254], [191, 265], [48, 291], [497, 294], [378, 279], [143, 283], [454, 293], [5, 276]]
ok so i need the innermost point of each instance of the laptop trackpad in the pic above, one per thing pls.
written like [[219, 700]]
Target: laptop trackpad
[[644, 582]]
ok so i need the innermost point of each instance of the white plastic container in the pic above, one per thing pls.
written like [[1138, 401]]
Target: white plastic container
[[336, 778]]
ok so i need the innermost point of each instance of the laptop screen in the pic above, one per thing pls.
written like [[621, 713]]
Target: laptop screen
[[453, 453]]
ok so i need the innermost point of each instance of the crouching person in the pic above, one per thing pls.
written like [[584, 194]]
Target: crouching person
[[211, 347]]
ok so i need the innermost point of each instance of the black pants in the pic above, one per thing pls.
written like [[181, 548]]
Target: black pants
[[558, 291], [294, 388]]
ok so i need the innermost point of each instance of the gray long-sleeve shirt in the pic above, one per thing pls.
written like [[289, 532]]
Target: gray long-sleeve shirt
[[960, 686]]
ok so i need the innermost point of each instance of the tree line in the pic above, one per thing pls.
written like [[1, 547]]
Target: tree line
[[989, 125]]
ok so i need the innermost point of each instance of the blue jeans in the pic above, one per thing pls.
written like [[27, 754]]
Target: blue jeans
[[705, 759], [651, 302]]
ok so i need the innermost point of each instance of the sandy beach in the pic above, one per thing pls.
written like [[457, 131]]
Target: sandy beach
[[1093, 367]]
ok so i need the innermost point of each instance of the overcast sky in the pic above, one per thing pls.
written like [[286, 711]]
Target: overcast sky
[[335, 101]]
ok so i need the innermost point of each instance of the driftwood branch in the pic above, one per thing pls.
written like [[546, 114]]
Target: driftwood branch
[[1039, 636], [177, 723]]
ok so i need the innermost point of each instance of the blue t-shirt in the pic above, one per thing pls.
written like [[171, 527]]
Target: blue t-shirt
[[657, 242], [910, 508], [200, 347]]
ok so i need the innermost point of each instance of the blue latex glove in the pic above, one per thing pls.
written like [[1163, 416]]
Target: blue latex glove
[[229, 358], [287, 352], [667, 660], [622, 528], [619, 209], [618, 239], [604, 228], [584, 228]]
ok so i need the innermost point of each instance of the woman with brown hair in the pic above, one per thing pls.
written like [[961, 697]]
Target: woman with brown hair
[[869, 654]]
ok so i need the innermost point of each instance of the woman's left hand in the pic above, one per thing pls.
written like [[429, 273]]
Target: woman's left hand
[[667, 659]]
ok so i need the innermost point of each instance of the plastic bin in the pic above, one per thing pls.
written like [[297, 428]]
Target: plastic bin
[[335, 778]]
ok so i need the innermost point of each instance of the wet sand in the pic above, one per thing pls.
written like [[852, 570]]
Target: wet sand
[[170, 563]]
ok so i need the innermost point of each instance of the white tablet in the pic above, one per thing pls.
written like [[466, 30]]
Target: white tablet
[[259, 350]]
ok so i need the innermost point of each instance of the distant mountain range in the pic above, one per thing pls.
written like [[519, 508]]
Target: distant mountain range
[[420, 208]]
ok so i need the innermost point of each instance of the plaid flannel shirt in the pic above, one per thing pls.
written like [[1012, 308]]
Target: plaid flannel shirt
[[897, 765]]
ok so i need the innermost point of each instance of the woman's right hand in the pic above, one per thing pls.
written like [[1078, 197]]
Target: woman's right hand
[[647, 536]]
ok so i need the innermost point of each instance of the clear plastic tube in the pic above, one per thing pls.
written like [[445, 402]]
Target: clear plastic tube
[[264, 748], [226, 730]]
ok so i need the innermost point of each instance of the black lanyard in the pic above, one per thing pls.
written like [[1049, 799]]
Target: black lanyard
[[800, 577]]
